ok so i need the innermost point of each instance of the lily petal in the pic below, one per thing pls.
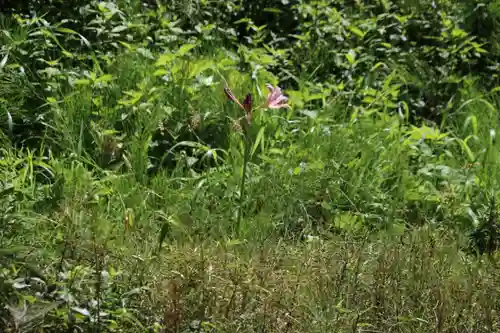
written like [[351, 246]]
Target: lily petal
[[247, 105], [276, 99]]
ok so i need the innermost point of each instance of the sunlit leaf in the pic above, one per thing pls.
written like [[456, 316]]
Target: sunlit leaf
[[104, 78], [184, 49], [4, 61], [81, 311], [351, 56], [161, 72], [82, 82], [258, 140], [165, 59], [70, 31], [119, 28], [357, 31]]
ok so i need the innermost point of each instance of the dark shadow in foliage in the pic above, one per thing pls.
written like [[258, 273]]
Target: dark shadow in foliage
[[482, 19], [54, 9], [163, 157], [486, 238], [54, 196]]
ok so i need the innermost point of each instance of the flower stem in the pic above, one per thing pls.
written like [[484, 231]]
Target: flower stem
[[242, 184]]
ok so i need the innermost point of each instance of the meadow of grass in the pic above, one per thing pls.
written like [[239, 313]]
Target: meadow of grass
[[123, 208]]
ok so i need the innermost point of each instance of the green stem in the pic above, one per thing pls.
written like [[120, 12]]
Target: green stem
[[242, 185]]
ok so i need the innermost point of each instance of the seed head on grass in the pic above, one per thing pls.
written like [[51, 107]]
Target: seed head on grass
[[236, 127], [195, 121]]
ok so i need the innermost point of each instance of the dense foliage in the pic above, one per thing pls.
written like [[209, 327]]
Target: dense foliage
[[137, 197]]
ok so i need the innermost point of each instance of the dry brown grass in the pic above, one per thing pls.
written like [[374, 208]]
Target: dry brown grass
[[420, 284]]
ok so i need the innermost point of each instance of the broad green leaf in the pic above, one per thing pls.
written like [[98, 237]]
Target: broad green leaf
[[4, 61], [310, 114], [161, 72], [67, 31], [73, 32], [82, 82], [185, 49], [357, 31], [351, 56], [199, 66], [127, 45], [260, 137], [300, 37], [165, 59], [104, 78], [369, 99], [296, 98], [135, 97], [458, 33], [378, 65], [67, 54], [313, 97], [145, 53], [81, 311], [227, 62], [119, 28], [243, 20], [426, 132]]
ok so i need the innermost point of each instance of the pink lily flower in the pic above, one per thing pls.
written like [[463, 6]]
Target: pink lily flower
[[247, 105], [276, 99]]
